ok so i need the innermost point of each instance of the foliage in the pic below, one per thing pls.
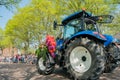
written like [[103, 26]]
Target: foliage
[[114, 28], [4, 40], [41, 52], [1, 37], [97, 7]]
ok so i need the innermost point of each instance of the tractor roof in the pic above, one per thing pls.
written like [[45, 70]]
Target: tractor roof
[[75, 16]]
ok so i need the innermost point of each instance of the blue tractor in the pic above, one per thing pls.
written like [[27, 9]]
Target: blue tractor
[[82, 50]]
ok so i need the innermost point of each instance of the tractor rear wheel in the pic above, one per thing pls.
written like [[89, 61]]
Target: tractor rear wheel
[[112, 59], [84, 59]]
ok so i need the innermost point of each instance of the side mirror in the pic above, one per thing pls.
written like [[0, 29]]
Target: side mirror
[[54, 25], [106, 19]]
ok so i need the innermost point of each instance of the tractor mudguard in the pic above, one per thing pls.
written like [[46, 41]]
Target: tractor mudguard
[[92, 34], [110, 39], [107, 39]]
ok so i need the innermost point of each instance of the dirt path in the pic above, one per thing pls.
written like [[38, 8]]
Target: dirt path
[[29, 72]]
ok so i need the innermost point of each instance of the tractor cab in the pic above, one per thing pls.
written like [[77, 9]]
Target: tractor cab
[[77, 25], [81, 23]]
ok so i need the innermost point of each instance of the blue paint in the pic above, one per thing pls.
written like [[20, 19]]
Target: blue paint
[[90, 33], [109, 40], [59, 44]]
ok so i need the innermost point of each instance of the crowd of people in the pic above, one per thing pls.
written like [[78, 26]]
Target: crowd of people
[[48, 46], [24, 58]]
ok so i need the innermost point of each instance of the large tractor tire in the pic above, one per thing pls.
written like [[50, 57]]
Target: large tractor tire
[[112, 58], [84, 59], [44, 66]]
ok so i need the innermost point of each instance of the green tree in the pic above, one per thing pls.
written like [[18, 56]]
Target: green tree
[[97, 7], [32, 23], [1, 38], [114, 27]]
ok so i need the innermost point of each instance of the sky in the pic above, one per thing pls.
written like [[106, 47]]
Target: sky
[[6, 14]]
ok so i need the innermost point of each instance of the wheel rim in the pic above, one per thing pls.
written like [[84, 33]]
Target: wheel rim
[[80, 59], [41, 64]]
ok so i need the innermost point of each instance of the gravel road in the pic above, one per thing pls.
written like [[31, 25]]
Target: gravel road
[[29, 72]]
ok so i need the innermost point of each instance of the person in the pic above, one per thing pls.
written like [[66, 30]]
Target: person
[[51, 45], [41, 51]]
